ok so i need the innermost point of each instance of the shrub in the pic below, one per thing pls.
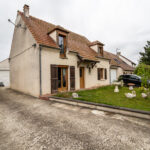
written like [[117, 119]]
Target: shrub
[[143, 71]]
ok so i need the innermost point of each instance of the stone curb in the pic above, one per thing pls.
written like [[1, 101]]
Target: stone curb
[[103, 107]]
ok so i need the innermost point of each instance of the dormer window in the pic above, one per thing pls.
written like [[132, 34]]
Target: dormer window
[[100, 51], [62, 45], [98, 47], [60, 36]]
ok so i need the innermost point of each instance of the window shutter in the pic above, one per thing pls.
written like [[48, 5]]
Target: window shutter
[[72, 78], [101, 73], [106, 74], [54, 78], [98, 73]]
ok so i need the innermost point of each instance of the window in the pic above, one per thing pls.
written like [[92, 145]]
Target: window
[[62, 45], [117, 61], [100, 50], [101, 73]]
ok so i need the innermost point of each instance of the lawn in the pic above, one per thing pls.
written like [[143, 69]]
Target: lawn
[[106, 95]]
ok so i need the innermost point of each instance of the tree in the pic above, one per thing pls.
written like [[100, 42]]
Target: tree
[[145, 56]]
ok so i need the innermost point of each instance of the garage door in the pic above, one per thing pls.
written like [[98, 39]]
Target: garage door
[[113, 75]]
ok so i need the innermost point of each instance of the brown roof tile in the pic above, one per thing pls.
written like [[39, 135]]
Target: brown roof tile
[[96, 43]]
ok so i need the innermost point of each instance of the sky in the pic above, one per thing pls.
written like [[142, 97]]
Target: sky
[[119, 24]]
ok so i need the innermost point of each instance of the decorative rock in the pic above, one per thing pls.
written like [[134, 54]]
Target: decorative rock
[[130, 87], [130, 95], [75, 95], [144, 95]]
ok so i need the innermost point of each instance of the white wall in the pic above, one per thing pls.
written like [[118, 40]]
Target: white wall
[[4, 77], [52, 56], [127, 61], [119, 72], [24, 68]]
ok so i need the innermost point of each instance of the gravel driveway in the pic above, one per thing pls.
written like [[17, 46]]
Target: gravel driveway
[[27, 123]]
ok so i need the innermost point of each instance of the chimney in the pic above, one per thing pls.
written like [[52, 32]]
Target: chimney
[[26, 10], [118, 53]]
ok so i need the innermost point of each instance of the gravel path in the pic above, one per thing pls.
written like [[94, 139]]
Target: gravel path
[[27, 123]]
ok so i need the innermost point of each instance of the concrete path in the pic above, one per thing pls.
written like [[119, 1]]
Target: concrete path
[[27, 123]]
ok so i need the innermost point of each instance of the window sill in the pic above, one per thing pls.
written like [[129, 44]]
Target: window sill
[[63, 57], [103, 79]]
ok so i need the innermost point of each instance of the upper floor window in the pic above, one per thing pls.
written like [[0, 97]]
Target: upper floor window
[[100, 50], [62, 45]]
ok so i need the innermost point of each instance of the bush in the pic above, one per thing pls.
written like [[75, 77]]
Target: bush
[[143, 71]]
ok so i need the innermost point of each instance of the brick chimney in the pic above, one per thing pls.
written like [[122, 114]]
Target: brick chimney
[[118, 53], [26, 10]]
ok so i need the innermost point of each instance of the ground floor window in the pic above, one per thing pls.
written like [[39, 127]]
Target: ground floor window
[[101, 73]]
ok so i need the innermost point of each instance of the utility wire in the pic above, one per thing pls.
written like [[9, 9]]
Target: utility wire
[[34, 45]]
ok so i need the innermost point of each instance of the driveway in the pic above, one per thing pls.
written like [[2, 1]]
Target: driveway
[[27, 123]]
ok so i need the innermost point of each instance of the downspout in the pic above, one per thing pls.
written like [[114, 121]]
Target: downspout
[[40, 70]]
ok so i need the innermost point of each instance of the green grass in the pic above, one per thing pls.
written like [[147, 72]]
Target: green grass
[[106, 95]]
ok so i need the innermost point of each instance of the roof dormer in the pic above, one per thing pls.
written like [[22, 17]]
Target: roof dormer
[[60, 36], [97, 46]]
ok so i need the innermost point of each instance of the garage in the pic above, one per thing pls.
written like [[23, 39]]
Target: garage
[[4, 72], [113, 75]]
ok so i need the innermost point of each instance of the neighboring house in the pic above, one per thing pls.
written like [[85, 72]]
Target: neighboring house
[[46, 58], [118, 66], [126, 60], [4, 72]]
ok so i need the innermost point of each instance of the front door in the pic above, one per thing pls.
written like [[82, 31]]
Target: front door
[[62, 78], [81, 77]]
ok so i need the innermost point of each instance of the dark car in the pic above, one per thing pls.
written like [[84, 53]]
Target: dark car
[[130, 78], [1, 84]]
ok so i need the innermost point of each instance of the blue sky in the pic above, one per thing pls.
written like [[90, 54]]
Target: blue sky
[[122, 24]]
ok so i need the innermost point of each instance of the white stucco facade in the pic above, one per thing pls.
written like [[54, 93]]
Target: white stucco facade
[[24, 61], [52, 56]]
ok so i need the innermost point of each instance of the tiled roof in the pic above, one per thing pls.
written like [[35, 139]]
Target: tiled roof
[[76, 43], [96, 43]]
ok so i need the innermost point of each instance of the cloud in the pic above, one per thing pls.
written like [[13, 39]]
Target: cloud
[[122, 24]]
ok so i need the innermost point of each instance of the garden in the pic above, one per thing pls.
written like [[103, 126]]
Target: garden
[[106, 95]]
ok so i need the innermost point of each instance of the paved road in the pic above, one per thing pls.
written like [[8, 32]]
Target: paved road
[[27, 123]]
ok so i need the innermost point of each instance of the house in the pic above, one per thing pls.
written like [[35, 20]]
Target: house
[[126, 60], [118, 66], [47, 58], [4, 72]]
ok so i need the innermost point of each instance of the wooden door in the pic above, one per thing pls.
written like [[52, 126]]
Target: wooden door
[[81, 77]]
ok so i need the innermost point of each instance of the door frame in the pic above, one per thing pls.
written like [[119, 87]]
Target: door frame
[[83, 74], [63, 88]]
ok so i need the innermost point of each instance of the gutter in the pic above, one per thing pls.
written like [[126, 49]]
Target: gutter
[[49, 46]]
